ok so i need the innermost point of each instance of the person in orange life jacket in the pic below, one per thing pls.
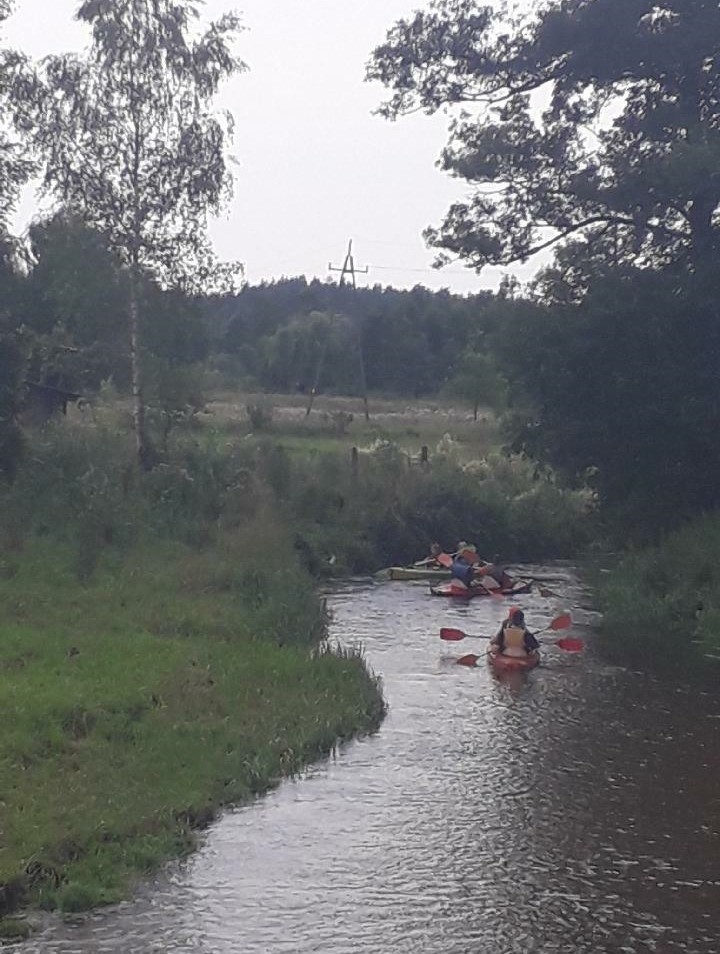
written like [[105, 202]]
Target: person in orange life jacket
[[513, 637]]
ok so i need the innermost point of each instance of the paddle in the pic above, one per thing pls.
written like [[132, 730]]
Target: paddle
[[455, 635], [563, 621]]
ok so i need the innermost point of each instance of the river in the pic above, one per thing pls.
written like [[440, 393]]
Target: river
[[571, 810]]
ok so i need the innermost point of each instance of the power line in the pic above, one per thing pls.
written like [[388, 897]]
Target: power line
[[436, 271]]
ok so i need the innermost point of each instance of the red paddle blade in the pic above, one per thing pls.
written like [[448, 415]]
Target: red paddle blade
[[570, 645], [444, 559], [561, 622], [452, 635], [468, 660]]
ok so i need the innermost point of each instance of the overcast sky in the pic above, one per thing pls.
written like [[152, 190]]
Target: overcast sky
[[315, 167]]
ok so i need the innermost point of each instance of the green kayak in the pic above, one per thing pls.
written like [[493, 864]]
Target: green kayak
[[414, 573]]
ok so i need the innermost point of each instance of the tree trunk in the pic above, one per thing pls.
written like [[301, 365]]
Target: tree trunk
[[141, 441]]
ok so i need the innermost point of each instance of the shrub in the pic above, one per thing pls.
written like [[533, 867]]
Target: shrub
[[260, 416], [663, 603]]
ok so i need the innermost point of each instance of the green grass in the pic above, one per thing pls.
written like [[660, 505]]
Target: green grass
[[408, 424], [661, 605], [138, 704]]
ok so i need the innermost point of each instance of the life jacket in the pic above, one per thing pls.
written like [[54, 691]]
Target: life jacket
[[514, 641], [461, 572]]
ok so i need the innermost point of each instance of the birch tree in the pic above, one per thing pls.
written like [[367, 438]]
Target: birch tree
[[130, 142], [15, 169], [15, 165]]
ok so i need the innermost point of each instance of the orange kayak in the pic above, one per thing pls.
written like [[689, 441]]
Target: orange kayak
[[501, 663], [465, 593]]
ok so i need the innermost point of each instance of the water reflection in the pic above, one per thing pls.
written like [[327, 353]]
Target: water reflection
[[571, 809]]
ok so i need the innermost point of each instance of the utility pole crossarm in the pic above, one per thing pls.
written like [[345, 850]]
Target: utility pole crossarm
[[348, 267]]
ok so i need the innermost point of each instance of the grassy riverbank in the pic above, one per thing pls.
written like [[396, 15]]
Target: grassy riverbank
[[160, 657], [661, 605], [138, 703], [159, 632]]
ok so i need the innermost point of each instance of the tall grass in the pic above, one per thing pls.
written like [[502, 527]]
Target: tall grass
[[138, 703], [662, 605], [158, 660]]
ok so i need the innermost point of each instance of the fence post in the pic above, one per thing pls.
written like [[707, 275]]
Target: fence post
[[354, 461], [424, 459]]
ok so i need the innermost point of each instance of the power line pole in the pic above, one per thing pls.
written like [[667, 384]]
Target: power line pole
[[348, 268]]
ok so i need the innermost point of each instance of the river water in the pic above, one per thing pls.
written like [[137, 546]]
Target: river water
[[571, 810]]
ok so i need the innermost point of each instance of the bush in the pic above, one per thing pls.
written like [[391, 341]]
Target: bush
[[260, 416], [663, 603], [390, 511]]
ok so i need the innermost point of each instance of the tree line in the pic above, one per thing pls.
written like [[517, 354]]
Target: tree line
[[293, 334], [589, 127]]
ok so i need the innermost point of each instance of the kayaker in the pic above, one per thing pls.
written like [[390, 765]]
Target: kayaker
[[514, 638], [438, 558], [462, 572], [467, 552], [492, 575]]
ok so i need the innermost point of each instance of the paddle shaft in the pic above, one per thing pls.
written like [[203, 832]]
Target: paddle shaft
[[483, 636]]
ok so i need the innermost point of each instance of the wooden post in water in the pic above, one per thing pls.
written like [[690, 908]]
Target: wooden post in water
[[424, 459], [354, 461]]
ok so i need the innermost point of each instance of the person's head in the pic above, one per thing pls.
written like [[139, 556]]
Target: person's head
[[435, 548], [517, 617]]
